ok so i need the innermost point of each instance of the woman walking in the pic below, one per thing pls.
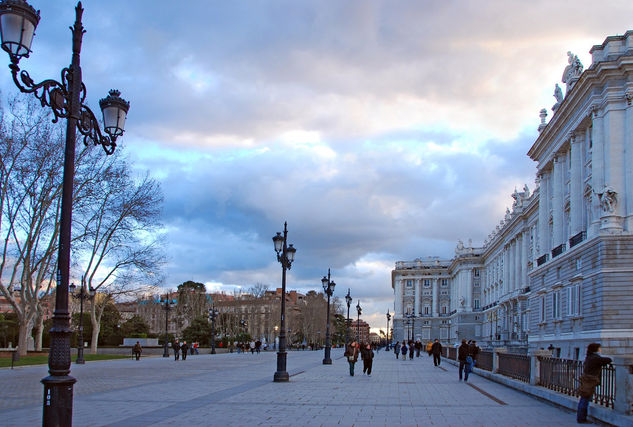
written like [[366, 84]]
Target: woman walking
[[367, 354], [351, 352], [396, 349], [404, 350]]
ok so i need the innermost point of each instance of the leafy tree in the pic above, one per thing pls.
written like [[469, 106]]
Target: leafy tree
[[8, 329], [199, 330], [110, 329], [136, 327]]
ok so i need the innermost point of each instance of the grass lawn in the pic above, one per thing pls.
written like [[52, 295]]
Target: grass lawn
[[5, 362]]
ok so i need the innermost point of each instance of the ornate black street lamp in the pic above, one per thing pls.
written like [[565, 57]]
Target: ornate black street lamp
[[81, 296], [411, 329], [167, 304], [285, 255], [348, 301], [18, 21], [388, 319], [328, 288], [213, 313], [359, 310]]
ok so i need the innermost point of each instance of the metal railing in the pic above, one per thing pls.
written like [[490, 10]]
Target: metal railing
[[515, 366], [484, 360], [563, 376]]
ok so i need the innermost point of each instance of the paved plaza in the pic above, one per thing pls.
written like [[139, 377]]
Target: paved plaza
[[237, 389]]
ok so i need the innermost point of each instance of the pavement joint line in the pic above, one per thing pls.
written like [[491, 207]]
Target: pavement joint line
[[488, 395]]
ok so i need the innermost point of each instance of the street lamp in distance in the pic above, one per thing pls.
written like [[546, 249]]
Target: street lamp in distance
[[328, 288], [81, 296], [388, 319], [359, 310], [213, 313], [348, 301]]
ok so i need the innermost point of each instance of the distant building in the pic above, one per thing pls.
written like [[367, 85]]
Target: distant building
[[556, 272], [359, 331]]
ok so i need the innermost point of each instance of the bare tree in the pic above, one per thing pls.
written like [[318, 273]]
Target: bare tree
[[258, 290]]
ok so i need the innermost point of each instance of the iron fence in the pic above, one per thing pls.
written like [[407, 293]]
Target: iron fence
[[484, 360], [515, 366], [563, 376], [452, 353]]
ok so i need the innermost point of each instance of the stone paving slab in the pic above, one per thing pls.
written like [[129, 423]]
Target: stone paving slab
[[237, 389]]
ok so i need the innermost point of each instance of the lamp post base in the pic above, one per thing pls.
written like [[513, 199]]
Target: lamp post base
[[58, 400], [166, 351], [80, 356], [281, 376], [327, 361]]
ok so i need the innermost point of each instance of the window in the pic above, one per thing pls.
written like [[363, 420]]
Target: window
[[426, 293], [556, 305], [578, 264], [426, 322], [476, 273], [427, 283], [476, 303], [409, 283], [542, 309], [573, 300], [444, 309], [427, 310], [476, 284], [444, 282], [444, 292]]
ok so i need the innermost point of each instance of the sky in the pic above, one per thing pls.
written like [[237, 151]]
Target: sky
[[381, 131]]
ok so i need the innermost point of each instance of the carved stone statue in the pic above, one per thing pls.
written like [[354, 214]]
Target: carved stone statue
[[526, 191], [608, 199], [543, 116], [558, 94], [572, 72]]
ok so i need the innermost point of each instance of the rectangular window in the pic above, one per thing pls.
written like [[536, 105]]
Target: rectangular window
[[409, 283], [573, 300], [427, 283], [427, 310], [444, 282], [476, 273], [556, 305], [476, 303], [542, 309], [476, 284], [444, 309]]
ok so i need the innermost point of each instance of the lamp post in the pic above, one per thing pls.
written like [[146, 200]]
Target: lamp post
[[348, 301], [81, 296], [285, 255], [18, 21], [359, 310], [328, 288], [167, 305], [213, 313], [411, 326], [388, 319]]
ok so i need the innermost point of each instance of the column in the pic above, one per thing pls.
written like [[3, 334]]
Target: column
[[557, 201], [628, 161], [517, 260], [524, 257], [614, 158], [597, 167], [575, 197], [543, 216], [417, 300], [435, 308]]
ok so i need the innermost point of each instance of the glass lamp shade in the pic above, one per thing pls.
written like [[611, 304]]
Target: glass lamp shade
[[114, 109], [278, 240], [332, 285], [17, 27], [348, 299], [324, 282], [291, 253]]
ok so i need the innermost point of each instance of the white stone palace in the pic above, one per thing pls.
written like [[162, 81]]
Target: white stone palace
[[557, 272]]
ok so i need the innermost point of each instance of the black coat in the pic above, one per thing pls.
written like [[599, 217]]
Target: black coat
[[175, 346], [436, 348], [463, 352], [593, 364]]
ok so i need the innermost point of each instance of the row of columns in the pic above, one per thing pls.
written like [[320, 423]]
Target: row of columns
[[417, 304]]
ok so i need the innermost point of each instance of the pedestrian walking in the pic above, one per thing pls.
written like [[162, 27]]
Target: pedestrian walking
[[396, 349], [418, 348], [367, 354], [436, 350], [463, 356], [474, 352], [184, 348], [429, 347], [176, 346], [404, 350], [590, 379], [137, 350], [411, 349], [258, 346], [195, 348], [351, 352]]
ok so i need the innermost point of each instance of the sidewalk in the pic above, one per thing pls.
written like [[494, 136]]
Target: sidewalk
[[237, 389]]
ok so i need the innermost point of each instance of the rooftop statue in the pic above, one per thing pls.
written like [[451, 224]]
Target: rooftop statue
[[572, 71], [558, 94]]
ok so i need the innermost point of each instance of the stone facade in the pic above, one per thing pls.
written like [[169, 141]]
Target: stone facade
[[557, 271]]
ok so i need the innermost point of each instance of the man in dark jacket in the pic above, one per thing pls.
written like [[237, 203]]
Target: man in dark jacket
[[367, 354], [418, 348], [184, 348], [590, 379], [463, 352], [176, 346], [436, 350], [474, 351]]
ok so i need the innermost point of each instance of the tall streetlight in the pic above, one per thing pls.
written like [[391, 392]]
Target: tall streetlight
[[359, 310], [411, 321], [167, 304], [213, 313], [285, 255], [18, 21], [81, 296], [388, 319], [348, 301], [328, 288]]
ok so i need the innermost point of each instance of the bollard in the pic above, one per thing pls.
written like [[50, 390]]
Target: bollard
[[535, 365], [15, 357], [623, 384]]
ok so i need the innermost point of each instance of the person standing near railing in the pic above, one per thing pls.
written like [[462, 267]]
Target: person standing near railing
[[590, 379]]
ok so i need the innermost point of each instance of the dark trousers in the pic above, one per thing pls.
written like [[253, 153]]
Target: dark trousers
[[583, 404], [137, 355], [176, 355], [367, 366], [436, 359], [463, 367], [351, 368], [184, 355]]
